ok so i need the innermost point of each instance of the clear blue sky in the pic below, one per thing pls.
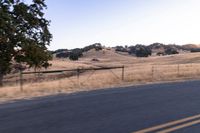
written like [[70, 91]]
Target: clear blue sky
[[77, 23]]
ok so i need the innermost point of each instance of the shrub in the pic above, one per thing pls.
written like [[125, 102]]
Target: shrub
[[170, 51], [140, 50], [96, 46], [62, 55], [120, 49], [195, 50], [143, 52], [160, 53], [73, 56]]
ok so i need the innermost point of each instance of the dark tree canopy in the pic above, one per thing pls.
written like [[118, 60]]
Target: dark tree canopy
[[170, 51], [24, 34], [75, 54], [195, 50], [121, 49], [140, 50]]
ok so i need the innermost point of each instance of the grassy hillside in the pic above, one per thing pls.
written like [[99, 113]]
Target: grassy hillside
[[137, 71]]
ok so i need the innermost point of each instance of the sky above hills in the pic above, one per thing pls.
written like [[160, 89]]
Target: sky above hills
[[77, 23]]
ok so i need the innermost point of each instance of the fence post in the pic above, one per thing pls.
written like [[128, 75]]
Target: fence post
[[152, 72], [178, 67], [122, 73], [78, 74], [21, 80]]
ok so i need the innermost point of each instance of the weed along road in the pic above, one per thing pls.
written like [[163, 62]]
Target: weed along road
[[162, 108]]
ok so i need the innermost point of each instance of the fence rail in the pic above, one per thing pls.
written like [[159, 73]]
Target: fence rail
[[70, 70], [94, 76], [78, 71]]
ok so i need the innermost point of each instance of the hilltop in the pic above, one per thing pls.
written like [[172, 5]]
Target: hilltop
[[98, 51]]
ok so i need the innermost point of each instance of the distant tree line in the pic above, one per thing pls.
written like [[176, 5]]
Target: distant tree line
[[140, 50], [195, 50], [75, 54]]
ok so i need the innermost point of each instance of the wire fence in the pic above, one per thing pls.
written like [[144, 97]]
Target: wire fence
[[59, 74], [101, 76], [163, 72]]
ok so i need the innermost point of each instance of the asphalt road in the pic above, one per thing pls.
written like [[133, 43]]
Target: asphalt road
[[117, 110]]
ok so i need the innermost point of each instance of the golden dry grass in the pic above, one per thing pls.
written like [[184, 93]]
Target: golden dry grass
[[137, 71]]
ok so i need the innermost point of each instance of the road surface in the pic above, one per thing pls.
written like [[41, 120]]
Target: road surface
[[167, 107]]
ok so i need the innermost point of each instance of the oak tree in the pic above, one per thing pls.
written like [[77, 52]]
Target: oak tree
[[24, 34]]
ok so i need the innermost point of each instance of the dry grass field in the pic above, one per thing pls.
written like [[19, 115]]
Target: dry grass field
[[137, 71]]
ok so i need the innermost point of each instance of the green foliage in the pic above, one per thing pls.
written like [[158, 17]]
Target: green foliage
[[121, 49], [143, 51], [170, 51], [193, 50], [140, 50], [24, 34], [160, 53], [75, 54], [73, 57], [37, 56], [63, 54], [96, 46]]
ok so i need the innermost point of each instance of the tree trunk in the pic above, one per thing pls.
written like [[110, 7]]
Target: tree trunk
[[1, 80]]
